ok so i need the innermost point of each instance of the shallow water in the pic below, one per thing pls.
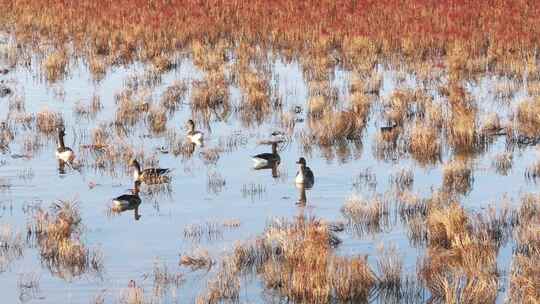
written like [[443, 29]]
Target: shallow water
[[132, 247]]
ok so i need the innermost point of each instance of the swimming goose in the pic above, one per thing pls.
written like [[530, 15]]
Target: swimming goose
[[128, 201], [266, 159], [304, 176], [148, 174], [63, 153], [195, 137]]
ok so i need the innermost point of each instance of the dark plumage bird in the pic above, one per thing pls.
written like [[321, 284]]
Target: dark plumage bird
[[148, 174], [128, 201], [265, 159], [304, 176], [63, 153]]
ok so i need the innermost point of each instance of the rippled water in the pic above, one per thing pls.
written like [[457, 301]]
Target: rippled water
[[132, 247]]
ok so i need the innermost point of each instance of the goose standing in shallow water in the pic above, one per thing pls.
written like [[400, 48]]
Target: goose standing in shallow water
[[151, 175], [128, 201], [64, 153], [304, 177], [195, 137], [264, 160]]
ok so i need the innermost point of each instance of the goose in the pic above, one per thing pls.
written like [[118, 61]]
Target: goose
[[63, 153], [195, 137], [304, 177], [148, 174], [266, 159], [127, 201]]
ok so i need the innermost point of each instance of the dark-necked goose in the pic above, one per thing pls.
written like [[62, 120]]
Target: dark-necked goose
[[194, 136], [128, 201], [304, 176], [146, 175], [266, 159], [63, 153]]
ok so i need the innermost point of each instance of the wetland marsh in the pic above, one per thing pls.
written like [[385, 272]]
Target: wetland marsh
[[420, 121]]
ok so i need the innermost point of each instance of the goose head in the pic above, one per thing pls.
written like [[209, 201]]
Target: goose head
[[190, 125]]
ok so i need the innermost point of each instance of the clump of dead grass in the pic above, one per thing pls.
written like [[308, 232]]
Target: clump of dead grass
[[172, 96], [457, 176], [461, 264], [209, 231], [157, 120], [55, 65], [47, 122], [503, 163], [366, 216], [57, 233], [528, 117], [88, 111], [196, 260], [11, 246], [425, 145]]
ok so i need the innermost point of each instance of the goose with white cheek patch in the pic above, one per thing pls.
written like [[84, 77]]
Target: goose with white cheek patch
[[194, 136], [149, 174], [304, 176], [63, 153]]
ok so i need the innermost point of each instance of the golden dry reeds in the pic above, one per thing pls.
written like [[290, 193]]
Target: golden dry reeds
[[196, 260], [11, 246], [47, 121], [157, 120], [366, 216], [425, 146], [503, 163], [55, 65], [528, 117], [458, 176], [131, 106], [57, 233], [172, 97]]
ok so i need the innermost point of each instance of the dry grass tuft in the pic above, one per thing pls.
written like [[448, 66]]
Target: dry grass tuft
[[425, 145], [11, 246], [211, 93], [390, 268], [524, 284], [457, 176], [403, 179], [215, 182], [209, 231], [461, 264], [196, 260], [163, 279], [157, 120], [131, 106], [57, 233], [47, 122], [171, 99], [366, 216], [503, 163], [88, 111], [528, 117], [55, 65]]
